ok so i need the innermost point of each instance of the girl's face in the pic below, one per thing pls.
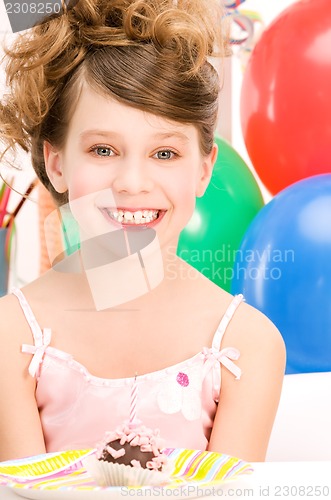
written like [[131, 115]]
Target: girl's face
[[125, 167]]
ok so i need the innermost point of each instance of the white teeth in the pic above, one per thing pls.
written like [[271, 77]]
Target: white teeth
[[128, 216], [138, 217]]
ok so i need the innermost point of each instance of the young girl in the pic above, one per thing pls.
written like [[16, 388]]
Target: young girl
[[117, 102]]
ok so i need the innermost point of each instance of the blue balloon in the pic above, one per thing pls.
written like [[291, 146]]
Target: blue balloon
[[283, 268]]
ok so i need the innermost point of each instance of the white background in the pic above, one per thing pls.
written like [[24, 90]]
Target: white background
[[25, 264]]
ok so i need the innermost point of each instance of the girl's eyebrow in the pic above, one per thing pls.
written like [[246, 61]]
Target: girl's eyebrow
[[102, 133], [161, 135], [169, 135]]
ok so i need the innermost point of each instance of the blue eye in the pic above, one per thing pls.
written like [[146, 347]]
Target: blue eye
[[165, 154], [102, 151]]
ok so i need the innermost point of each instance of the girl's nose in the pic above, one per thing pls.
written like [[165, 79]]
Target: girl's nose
[[133, 179]]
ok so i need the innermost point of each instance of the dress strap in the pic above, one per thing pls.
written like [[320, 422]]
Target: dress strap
[[30, 317], [41, 337], [237, 299], [214, 356]]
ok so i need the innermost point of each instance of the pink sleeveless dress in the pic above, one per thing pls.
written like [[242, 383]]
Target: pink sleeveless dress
[[76, 408]]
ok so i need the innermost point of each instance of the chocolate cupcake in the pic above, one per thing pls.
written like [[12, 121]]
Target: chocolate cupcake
[[130, 456]]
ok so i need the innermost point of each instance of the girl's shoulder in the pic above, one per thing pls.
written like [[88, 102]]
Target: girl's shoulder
[[258, 340], [15, 326], [249, 329], [14, 331], [11, 320], [256, 333]]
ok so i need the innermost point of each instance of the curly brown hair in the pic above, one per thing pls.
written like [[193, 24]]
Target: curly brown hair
[[149, 54]]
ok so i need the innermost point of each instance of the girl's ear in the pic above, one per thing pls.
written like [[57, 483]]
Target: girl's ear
[[206, 171], [53, 165]]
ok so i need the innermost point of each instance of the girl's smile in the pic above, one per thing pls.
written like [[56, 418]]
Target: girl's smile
[[123, 217]]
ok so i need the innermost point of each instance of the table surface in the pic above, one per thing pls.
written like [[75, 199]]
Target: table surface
[[272, 480]]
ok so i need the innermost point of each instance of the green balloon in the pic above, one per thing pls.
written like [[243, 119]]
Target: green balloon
[[210, 240]]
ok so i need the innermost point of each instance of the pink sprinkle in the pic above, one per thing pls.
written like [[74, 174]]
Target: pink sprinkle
[[115, 453], [182, 379]]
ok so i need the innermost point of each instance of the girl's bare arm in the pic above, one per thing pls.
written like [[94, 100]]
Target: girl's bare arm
[[247, 407], [20, 428]]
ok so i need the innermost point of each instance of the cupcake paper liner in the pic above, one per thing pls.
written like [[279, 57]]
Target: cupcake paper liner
[[112, 474]]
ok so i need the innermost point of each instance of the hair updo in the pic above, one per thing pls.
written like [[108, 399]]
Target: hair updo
[[148, 54]]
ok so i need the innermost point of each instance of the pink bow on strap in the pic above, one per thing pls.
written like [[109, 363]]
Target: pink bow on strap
[[38, 351], [225, 357]]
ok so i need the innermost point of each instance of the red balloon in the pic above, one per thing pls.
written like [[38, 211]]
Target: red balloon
[[286, 96]]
